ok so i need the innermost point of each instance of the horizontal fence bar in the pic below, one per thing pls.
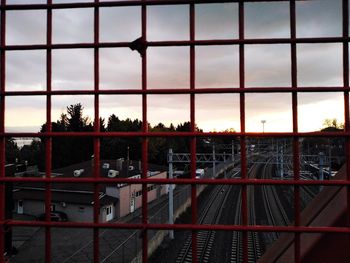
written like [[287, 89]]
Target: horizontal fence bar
[[178, 91], [319, 40], [177, 134], [124, 3], [194, 181], [252, 228]]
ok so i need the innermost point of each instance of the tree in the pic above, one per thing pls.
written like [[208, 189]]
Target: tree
[[32, 153], [11, 150], [70, 150], [332, 125], [117, 147]]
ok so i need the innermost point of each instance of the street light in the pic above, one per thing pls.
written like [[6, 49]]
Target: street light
[[263, 124]]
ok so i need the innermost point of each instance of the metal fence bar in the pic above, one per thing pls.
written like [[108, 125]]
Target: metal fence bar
[[244, 206], [296, 161], [345, 26], [48, 140], [96, 142], [170, 90], [194, 205], [125, 3], [2, 130], [143, 54]]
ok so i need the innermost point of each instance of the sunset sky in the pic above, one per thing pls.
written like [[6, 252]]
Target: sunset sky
[[168, 67]]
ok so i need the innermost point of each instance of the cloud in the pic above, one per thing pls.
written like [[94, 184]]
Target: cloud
[[169, 67], [73, 25], [217, 66], [320, 64], [319, 18], [25, 27], [120, 68], [120, 24], [123, 106], [168, 109], [27, 112], [25, 70], [167, 22], [73, 69], [216, 21], [267, 20], [268, 65]]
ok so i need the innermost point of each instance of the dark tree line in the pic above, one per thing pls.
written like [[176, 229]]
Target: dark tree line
[[69, 150], [73, 149]]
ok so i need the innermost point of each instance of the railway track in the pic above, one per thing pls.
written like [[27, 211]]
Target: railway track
[[275, 212], [205, 239], [236, 247], [254, 250]]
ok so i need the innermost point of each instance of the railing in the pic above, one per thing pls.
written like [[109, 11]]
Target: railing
[[141, 45]]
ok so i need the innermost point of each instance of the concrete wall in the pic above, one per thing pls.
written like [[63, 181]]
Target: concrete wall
[[129, 194]]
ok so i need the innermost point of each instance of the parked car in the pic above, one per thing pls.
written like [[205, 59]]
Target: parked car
[[55, 216]]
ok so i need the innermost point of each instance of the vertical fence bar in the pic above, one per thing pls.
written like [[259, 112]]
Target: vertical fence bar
[[296, 166], [345, 12], [48, 140], [194, 211], [2, 129], [96, 129], [145, 139], [244, 206]]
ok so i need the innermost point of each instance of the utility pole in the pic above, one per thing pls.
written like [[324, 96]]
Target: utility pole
[[277, 157], [171, 194], [214, 170], [281, 158], [320, 168], [263, 124], [330, 160], [233, 151], [225, 164]]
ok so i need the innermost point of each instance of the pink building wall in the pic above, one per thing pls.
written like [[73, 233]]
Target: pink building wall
[[130, 197]]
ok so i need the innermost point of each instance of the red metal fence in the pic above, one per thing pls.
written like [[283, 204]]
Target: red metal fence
[[142, 45]]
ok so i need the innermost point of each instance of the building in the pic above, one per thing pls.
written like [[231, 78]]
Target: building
[[77, 199]]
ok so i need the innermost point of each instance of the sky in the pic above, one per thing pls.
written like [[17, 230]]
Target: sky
[[168, 67]]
